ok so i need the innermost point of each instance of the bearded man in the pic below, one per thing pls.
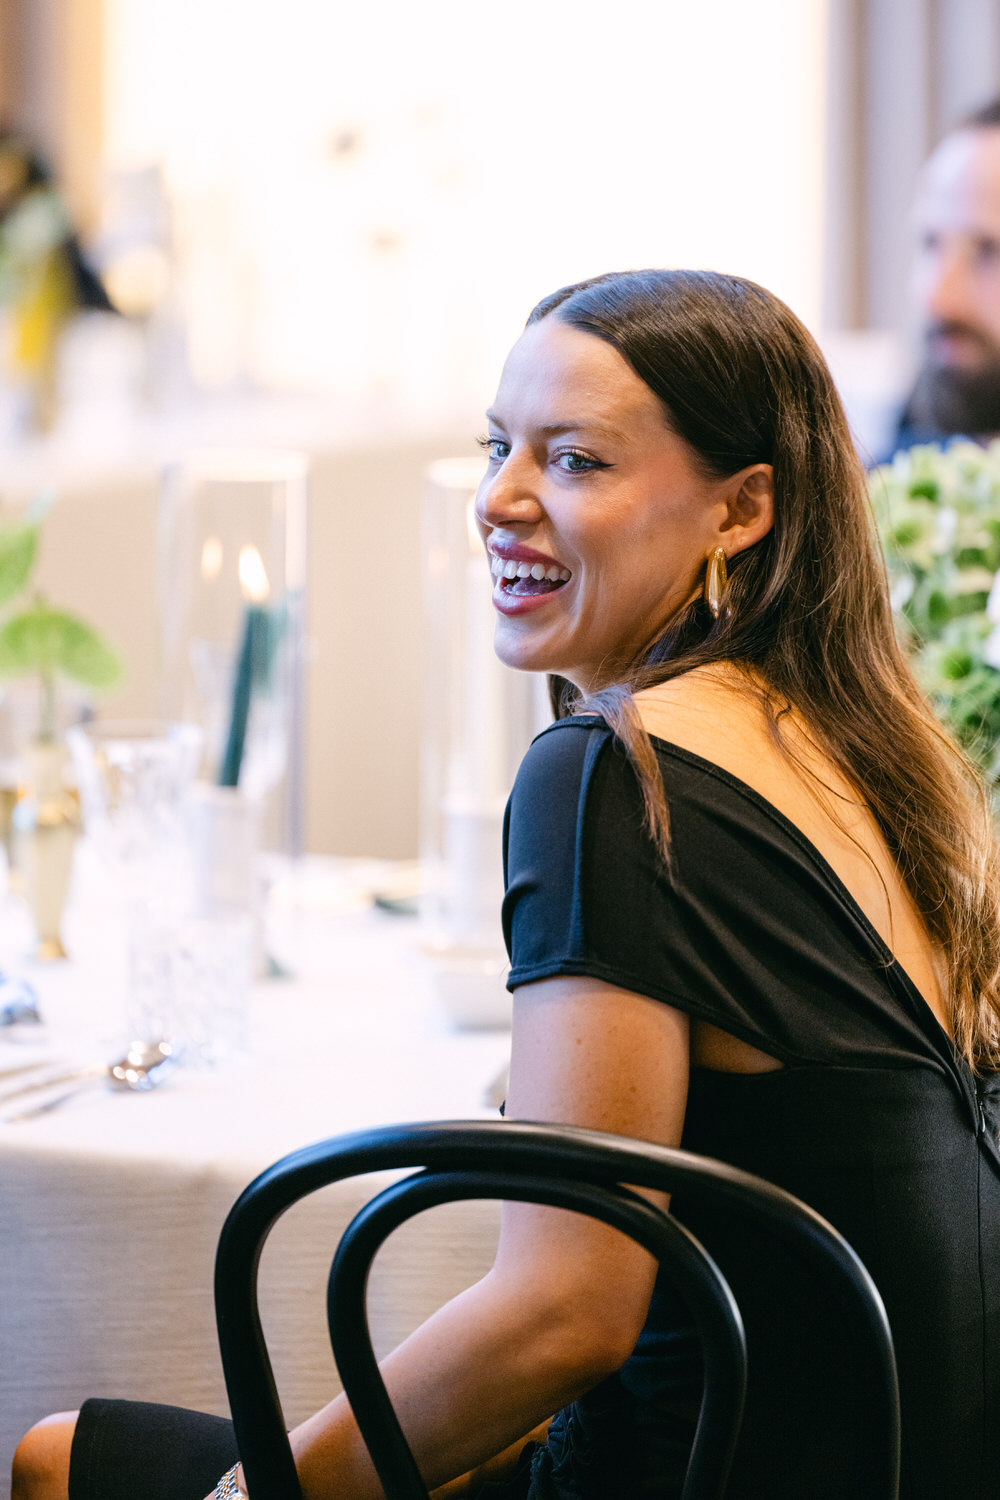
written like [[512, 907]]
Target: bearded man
[[957, 287]]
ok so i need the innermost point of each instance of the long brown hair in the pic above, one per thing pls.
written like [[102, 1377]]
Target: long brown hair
[[743, 382]]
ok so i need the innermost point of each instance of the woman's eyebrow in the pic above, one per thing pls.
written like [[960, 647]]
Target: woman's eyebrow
[[555, 429]]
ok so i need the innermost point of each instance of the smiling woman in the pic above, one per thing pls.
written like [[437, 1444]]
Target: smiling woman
[[586, 478], [752, 907]]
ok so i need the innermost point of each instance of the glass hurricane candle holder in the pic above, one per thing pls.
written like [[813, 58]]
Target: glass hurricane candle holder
[[479, 718], [232, 582]]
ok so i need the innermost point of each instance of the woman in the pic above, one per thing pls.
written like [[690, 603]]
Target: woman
[[752, 904]]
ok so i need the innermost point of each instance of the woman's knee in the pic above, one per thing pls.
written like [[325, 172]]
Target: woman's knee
[[41, 1464]]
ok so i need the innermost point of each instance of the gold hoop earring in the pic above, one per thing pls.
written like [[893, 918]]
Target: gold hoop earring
[[716, 578]]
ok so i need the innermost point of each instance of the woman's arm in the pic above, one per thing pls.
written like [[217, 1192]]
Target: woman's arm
[[567, 1297]]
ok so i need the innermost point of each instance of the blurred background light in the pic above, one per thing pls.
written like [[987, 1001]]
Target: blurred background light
[[367, 200]]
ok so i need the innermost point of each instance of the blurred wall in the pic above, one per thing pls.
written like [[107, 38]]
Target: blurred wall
[[901, 73]]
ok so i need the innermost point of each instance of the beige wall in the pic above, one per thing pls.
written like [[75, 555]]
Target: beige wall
[[364, 625]]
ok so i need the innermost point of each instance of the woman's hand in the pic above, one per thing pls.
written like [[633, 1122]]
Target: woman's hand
[[499, 1468]]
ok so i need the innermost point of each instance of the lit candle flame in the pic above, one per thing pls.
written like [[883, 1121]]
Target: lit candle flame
[[253, 579], [211, 558]]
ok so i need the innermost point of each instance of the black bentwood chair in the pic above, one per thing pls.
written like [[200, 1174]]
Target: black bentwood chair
[[565, 1168]]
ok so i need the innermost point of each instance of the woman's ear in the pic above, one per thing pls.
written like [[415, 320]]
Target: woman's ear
[[749, 507]]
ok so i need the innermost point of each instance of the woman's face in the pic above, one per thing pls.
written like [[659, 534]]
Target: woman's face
[[591, 495]]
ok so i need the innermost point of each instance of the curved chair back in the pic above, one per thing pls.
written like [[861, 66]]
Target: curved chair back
[[556, 1165]]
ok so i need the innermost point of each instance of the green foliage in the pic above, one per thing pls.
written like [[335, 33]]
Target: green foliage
[[40, 640], [48, 641], [18, 547], [939, 515]]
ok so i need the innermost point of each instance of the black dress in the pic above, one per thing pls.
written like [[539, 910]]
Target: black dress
[[873, 1120]]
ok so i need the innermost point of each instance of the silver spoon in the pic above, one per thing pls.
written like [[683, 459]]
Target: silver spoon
[[143, 1054], [144, 1066]]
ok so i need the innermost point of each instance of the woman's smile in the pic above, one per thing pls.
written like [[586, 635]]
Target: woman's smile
[[522, 577]]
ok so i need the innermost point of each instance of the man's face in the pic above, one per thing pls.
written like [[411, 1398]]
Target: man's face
[[956, 285]]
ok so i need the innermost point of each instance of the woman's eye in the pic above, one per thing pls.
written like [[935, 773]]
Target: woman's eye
[[574, 462], [496, 449]]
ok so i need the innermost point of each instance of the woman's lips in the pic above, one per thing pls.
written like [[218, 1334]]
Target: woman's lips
[[498, 545]]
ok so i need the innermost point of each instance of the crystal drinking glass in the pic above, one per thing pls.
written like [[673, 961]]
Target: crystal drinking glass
[[135, 778], [188, 976]]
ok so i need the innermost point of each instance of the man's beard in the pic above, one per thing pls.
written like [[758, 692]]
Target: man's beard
[[954, 399]]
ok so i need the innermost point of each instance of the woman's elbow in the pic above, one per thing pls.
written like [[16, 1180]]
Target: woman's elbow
[[577, 1302], [40, 1469], [583, 1338]]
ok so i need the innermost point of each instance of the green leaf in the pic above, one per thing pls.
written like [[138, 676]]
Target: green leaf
[[938, 607], [18, 546], [956, 664], [907, 532], [972, 603], [972, 557], [47, 640]]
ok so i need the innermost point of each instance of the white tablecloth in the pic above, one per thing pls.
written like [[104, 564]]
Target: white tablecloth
[[110, 1207]]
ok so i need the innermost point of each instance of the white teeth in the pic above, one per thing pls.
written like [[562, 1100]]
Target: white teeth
[[501, 568]]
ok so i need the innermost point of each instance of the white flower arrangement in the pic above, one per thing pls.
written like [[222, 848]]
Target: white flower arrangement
[[939, 516]]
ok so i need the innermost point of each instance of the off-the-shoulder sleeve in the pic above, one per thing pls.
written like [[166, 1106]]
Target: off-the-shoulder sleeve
[[747, 929]]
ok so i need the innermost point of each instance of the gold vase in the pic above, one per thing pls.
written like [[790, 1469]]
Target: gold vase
[[45, 825], [8, 801]]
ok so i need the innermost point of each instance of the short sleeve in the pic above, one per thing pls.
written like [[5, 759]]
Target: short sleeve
[[586, 892], [748, 928]]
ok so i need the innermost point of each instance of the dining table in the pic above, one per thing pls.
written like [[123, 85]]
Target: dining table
[[111, 1202]]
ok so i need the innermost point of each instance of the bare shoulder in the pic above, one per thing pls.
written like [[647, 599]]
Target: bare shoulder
[[719, 688], [721, 714], [718, 712]]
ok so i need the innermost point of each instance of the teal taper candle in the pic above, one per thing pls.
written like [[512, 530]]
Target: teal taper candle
[[253, 652]]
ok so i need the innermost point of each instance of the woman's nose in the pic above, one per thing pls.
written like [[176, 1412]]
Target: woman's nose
[[508, 496]]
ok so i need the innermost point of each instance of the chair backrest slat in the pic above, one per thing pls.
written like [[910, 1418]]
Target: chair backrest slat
[[688, 1264]]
